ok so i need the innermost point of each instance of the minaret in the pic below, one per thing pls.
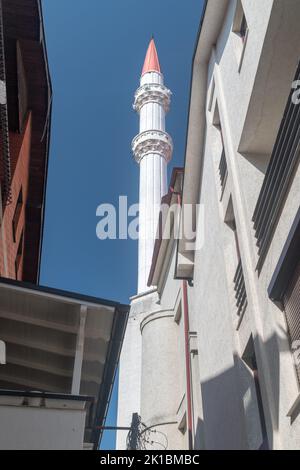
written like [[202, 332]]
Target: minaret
[[152, 149]]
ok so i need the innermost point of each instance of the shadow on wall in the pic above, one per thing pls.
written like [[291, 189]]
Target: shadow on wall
[[260, 162], [222, 412], [199, 441], [241, 405]]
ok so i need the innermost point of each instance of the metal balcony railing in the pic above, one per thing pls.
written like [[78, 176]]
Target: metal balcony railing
[[283, 163], [240, 290]]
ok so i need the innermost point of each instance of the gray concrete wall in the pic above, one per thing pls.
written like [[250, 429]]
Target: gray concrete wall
[[251, 96], [222, 405]]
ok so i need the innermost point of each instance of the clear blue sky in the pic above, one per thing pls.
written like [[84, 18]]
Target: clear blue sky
[[96, 50]]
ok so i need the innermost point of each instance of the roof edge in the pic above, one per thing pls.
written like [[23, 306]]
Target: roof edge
[[167, 199], [67, 295]]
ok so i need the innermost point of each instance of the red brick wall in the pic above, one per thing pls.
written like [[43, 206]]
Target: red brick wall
[[20, 155]]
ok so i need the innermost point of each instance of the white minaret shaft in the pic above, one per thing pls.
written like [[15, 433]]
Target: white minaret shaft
[[152, 149]]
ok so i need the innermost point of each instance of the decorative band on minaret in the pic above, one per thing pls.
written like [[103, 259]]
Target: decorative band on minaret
[[152, 149]]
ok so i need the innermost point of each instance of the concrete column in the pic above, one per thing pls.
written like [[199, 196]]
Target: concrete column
[[161, 391]]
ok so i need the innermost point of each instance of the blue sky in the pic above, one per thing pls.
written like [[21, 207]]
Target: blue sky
[[96, 50]]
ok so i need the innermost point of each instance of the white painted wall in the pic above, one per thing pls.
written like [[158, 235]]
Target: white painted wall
[[129, 394], [35, 428], [130, 368]]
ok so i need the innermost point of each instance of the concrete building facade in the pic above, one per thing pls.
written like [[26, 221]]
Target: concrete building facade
[[218, 361]]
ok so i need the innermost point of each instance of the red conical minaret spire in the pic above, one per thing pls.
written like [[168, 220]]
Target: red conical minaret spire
[[151, 63]]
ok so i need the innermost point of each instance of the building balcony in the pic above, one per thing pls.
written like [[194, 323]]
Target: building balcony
[[152, 141], [152, 93]]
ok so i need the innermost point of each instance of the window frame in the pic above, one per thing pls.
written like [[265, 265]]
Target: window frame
[[17, 214], [240, 20], [19, 254]]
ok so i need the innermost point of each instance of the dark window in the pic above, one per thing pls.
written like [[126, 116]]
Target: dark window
[[284, 289], [291, 302], [17, 213], [249, 358], [223, 170], [240, 290], [243, 28], [17, 85], [19, 255], [238, 280], [22, 88], [240, 25]]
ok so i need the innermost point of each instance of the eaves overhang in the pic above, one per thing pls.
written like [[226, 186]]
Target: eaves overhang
[[43, 329], [24, 31], [210, 25], [162, 240]]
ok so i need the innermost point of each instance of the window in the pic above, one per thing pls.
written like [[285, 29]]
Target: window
[[17, 213], [223, 170], [238, 280], [240, 25], [241, 30], [284, 161], [22, 88], [216, 117], [291, 302], [249, 358], [178, 314], [284, 289], [212, 94], [19, 255]]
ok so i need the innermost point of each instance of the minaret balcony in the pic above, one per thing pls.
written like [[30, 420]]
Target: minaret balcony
[[152, 93], [152, 141]]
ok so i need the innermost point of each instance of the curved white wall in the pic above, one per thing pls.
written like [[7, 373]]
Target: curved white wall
[[161, 385]]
